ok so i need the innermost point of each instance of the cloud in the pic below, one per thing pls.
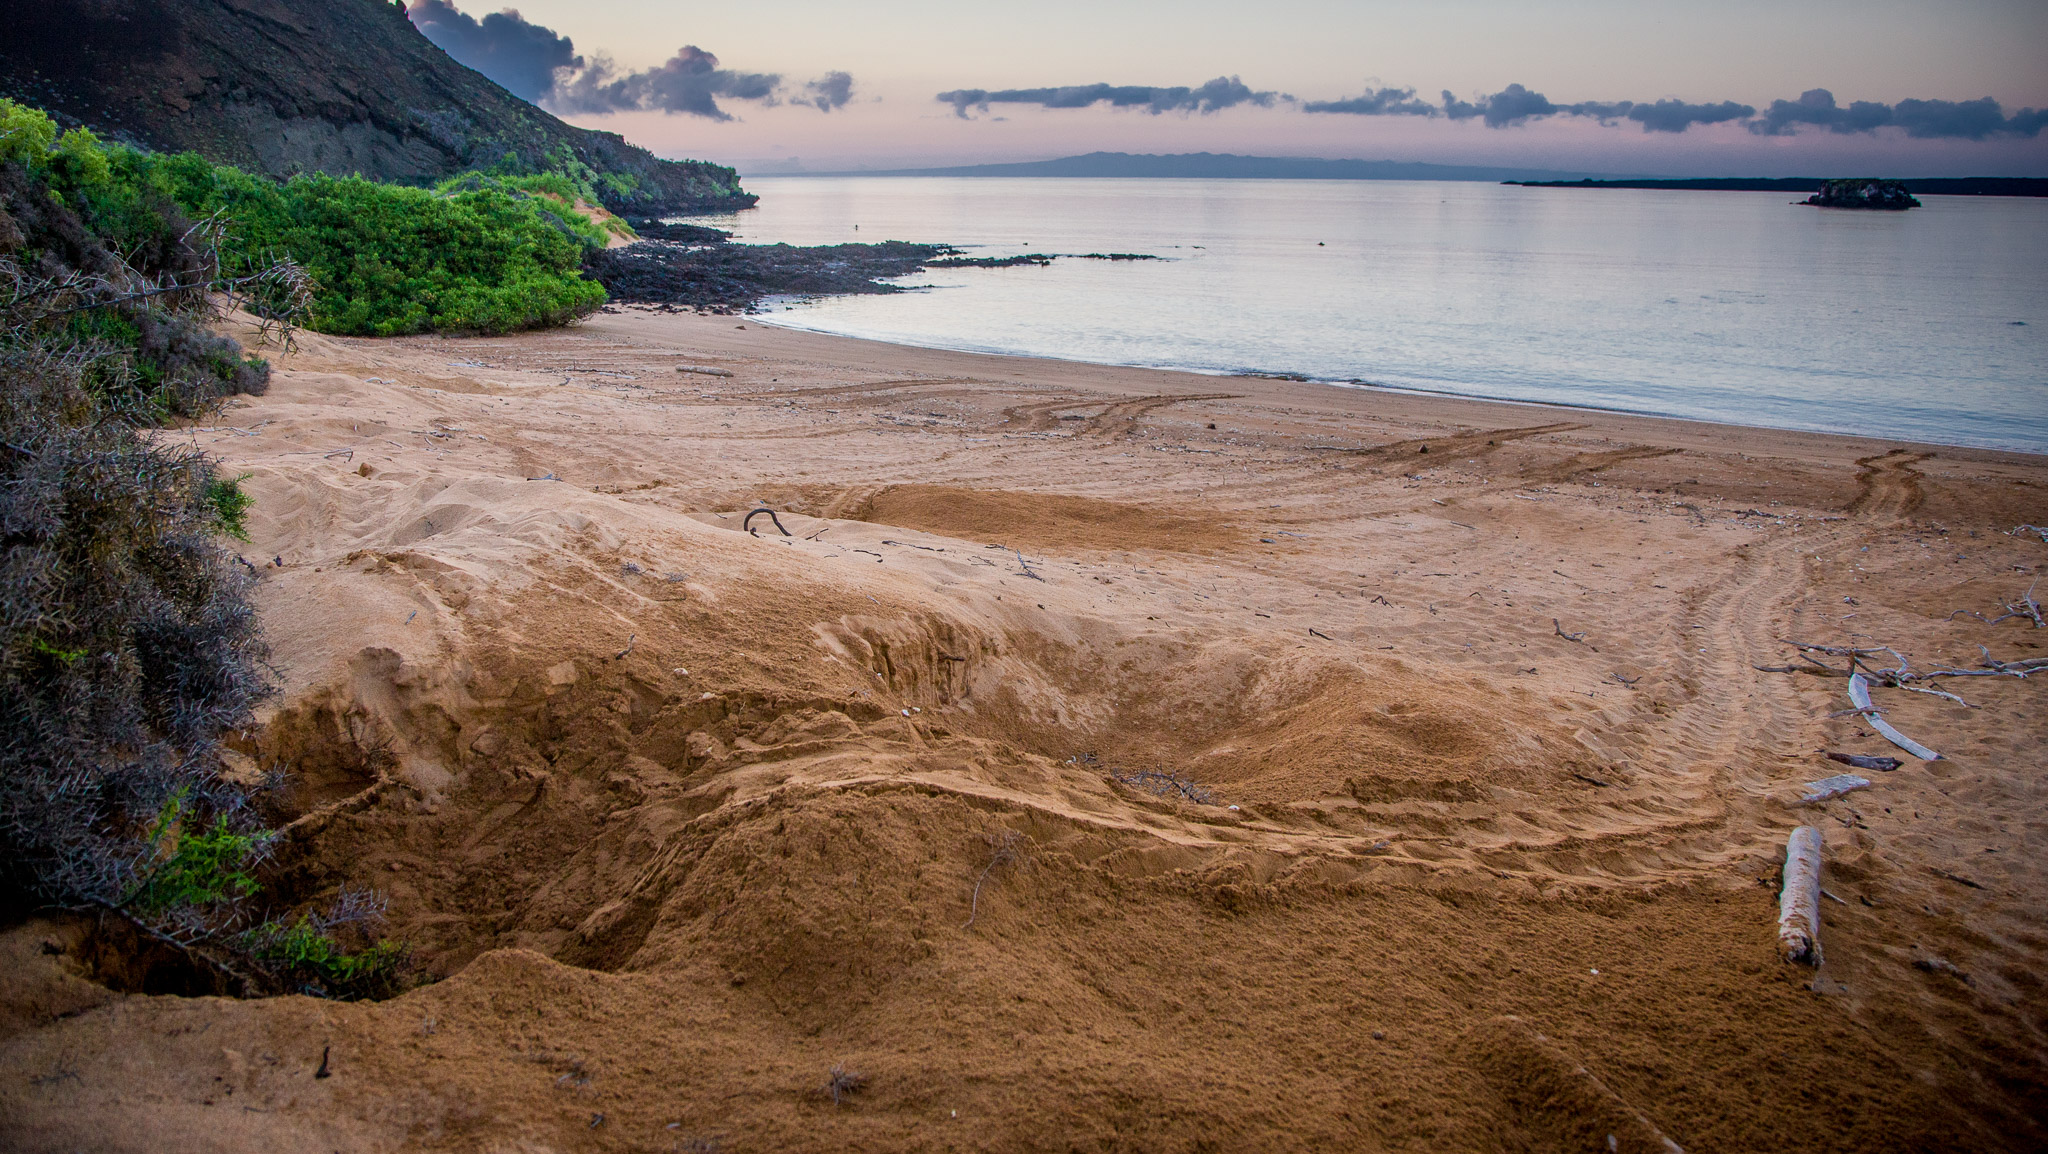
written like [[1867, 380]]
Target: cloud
[[536, 64], [1677, 115], [1220, 93], [1517, 105], [1817, 106], [689, 82], [1376, 102], [1921, 119], [829, 91], [1511, 105], [521, 57]]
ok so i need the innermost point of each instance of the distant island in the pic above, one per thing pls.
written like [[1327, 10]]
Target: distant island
[[1226, 166], [1864, 193], [1933, 186]]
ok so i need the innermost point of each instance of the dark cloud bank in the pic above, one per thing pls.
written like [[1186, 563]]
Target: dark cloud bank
[[1222, 92], [1516, 104], [534, 63]]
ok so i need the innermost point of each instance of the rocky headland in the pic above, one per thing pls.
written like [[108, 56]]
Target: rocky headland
[[344, 86]]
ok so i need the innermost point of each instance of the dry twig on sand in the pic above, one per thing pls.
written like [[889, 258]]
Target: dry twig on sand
[[1167, 784], [746, 522], [841, 1083], [1554, 624], [1864, 761], [1002, 851]]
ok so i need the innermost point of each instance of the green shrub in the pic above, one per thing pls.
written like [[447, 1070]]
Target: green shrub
[[26, 134], [487, 253], [199, 864], [306, 954], [230, 504], [389, 261]]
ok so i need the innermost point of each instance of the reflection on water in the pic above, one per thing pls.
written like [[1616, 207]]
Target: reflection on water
[[1727, 306]]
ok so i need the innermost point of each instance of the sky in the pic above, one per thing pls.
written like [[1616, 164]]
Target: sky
[[1735, 88]]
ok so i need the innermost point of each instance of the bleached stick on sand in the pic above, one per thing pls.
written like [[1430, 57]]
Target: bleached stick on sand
[[1859, 696], [1799, 901]]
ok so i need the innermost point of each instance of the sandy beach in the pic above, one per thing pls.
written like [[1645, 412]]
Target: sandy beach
[[1091, 759]]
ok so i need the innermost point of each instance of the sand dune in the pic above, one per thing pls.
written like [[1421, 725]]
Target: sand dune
[[685, 808]]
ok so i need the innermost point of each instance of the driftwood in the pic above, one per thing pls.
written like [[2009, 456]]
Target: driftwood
[[1554, 624], [748, 520], [1799, 900], [1863, 761], [1859, 696], [1898, 677], [1828, 788]]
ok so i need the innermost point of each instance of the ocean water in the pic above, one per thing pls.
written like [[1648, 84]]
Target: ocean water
[[1930, 325]]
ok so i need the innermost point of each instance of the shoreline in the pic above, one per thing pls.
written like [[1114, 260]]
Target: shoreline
[[1446, 396]]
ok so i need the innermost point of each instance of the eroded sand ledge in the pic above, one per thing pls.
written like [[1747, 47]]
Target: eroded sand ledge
[[1487, 887]]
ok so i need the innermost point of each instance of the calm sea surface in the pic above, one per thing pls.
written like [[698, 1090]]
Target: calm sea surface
[[1928, 325]]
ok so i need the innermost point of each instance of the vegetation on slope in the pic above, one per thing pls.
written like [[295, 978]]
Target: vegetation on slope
[[128, 641], [342, 87]]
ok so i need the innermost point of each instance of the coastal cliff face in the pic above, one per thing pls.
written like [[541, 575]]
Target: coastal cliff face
[[289, 86]]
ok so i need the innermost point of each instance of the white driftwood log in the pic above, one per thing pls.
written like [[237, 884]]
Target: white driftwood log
[[1828, 788], [1799, 901], [1859, 696]]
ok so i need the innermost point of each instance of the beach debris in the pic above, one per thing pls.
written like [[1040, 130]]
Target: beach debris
[[1166, 784], [1956, 878], [703, 372], [1859, 696], [1026, 566], [1934, 965], [1002, 851], [746, 522], [1865, 761], [1561, 633], [2026, 607], [1324, 636], [621, 654], [1799, 900], [1828, 788], [841, 1083], [1897, 678]]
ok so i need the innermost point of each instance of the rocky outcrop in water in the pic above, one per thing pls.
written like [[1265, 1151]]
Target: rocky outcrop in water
[[1880, 194], [338, 86], [727, 278]]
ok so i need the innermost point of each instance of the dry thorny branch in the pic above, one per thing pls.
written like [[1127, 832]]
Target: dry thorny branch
[[1900, 676], [841, 1083], [1003, 850], [2026, 607], [279, 293], [1167, 784]]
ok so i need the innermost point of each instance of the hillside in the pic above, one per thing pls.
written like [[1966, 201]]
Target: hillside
[[341, 86]]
